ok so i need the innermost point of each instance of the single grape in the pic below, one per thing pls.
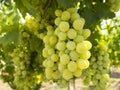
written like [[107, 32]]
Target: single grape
[[64, 26], [75, 16], [86, 33], [65, 15], [62, 36], [70, 45], [71, 34], [64, 59], [58, 12], [72, 66], [67, 75], [78, 24], [82, 64], [61, 46]]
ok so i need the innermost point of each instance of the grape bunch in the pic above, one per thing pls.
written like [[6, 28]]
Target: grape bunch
[[66, 50], [25, 75], [98, 71], [115, 5]]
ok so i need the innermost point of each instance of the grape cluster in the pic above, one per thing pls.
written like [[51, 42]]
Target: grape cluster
[[66, 49], [98, 71], [115, 5], [25, 76]]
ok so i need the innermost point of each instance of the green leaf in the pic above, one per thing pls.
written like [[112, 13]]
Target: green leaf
[[66, 3], [11, 34]]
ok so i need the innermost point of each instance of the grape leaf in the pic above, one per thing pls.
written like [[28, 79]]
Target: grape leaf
[[66, 3], [12, 34]]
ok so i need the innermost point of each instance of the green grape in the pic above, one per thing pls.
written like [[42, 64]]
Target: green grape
[[48, 71], [86, 33], [57, 21], [56, 75], [79, 38], [58, 12], [81, 47], [70, 45], [64, 59], [62, 36], [57, 31], [50, 32], [41, 35], [50, 63], [46, 39], [53, 40], [72, 10], [85, 55], [82, 64], [78, 24], [74, 55], [67, 75], [45, 63], [71, 34], [98, 76], [51, 51], [72, 66], [61, 46], [75, 16], [88, 44], [65, 15], [54, 57], [61, 67], [77, 73], [45, 52], [64, 26]]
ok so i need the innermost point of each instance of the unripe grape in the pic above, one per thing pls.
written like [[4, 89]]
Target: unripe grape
[[56, 75], [61, 46], [81, 47], [54, 57], [48, 71], [45, 63], [75, 16], [64, 59], [67, 75], [57, 31], [79, 38], [72, 10], [77, 73], [72, 66], [51, 51], [50, 63], [62, 36], [78, 24], [61, 67], [45, 52], [74, 55], [58, 12], [82, 64], [71, 34], [98, 76], [57, 21], [64, 26], [70, 45], [65, 15], [46, 39], [50, 28], [88, 44], [86, 33], [53, 40], [85, 55]]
